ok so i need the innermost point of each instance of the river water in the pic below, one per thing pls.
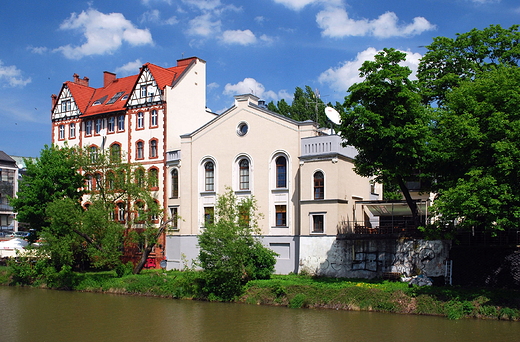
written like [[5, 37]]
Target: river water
[[47, 315]]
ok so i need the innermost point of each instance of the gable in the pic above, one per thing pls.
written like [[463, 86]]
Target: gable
[[146, 90], [66, 106]]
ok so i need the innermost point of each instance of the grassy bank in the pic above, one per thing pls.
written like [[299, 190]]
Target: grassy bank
[[298, 291]]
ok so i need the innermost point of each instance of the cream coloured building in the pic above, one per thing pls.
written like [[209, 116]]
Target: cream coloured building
[[302, 179]]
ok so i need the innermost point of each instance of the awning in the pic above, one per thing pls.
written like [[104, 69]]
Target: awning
[[400, 208]]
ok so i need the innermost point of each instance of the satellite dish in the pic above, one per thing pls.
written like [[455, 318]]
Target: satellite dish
[[333, 115]]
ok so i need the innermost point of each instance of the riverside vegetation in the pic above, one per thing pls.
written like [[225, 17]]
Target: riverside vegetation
[[300, 291]]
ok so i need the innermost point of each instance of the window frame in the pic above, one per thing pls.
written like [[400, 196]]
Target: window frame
[[139, 150], [153, 180], [140, 121], [61, 132], [318, 192], [244, 174], [154, 148], [280, 218], [174, 177], [88, 128], [281, 183], [121, 123], [72, 130], [111, 124], [317, 219], [154, 118], [209, 176]]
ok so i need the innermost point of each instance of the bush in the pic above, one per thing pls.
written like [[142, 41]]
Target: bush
[[230, 254]]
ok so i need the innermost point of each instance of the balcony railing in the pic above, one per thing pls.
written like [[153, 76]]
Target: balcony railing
[[326, 145], [172, 156]]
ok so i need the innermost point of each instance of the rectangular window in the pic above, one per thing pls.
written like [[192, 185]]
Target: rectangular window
[[111, 124], [61, 132], [317, 223], [281, 216], [153, 149], [209, 214], [88, 127], [99, 125], [174, 212], [72, 130], [153, 118], [65, 106], [143, 90], [121, 123], [140, 120]]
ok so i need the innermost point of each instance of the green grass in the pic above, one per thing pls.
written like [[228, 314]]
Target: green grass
[[300, 291]]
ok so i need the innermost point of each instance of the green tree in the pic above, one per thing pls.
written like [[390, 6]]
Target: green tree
[[449, 61], [53, 175], [306, 105], [385, 120], [477, 144], [230, 252]]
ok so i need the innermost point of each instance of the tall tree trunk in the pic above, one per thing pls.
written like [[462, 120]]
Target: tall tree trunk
[[149, 247], [409, 200]]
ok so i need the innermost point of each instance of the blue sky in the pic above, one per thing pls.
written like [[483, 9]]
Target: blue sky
[[268, 47]]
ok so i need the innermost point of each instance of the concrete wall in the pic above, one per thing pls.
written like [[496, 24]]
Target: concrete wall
[[371, 258]]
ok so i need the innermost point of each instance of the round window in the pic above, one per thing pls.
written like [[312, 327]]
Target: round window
[[242, 129]]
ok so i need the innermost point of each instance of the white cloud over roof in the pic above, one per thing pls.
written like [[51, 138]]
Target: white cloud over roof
[[104, 33]]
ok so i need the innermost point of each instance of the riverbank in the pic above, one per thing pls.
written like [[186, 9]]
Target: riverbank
[[299, 291]]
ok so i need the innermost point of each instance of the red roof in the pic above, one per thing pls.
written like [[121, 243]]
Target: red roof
[[93, 101], [109, 99]]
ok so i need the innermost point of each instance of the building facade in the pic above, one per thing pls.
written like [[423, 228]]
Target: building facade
[[8, 188], [138, 118], [302, 179]]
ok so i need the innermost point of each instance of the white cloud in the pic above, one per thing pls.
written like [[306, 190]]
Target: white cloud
[[130, 67], [40, 50], [213, 85], [342, 77], [336, 23], [104, 33], [12, 76], [297, 5], [203, 4], [203, 26], [154, 16], [240, 37], [252, 86]]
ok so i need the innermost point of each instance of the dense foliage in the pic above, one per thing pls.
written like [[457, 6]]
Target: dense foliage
[[230, 253]]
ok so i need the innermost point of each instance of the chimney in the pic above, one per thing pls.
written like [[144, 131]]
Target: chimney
[[54, 98], [108, 77], [79, 81]]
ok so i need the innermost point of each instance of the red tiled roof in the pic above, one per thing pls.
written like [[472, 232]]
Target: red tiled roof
[[81, 94], [86, 97], [122, 86]]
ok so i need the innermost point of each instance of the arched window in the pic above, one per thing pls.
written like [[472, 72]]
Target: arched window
[[120, 212], [115, 153], [140, 216], [110, 180], [88, 182], [281, 172], [209, 176], [244, 174], [175, 183], [153, 178], [139, 150], [153, 148], [319, 186], [139, 177], [98, 181]]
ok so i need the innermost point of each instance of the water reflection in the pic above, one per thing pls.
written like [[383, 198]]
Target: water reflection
[[43, 315]]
